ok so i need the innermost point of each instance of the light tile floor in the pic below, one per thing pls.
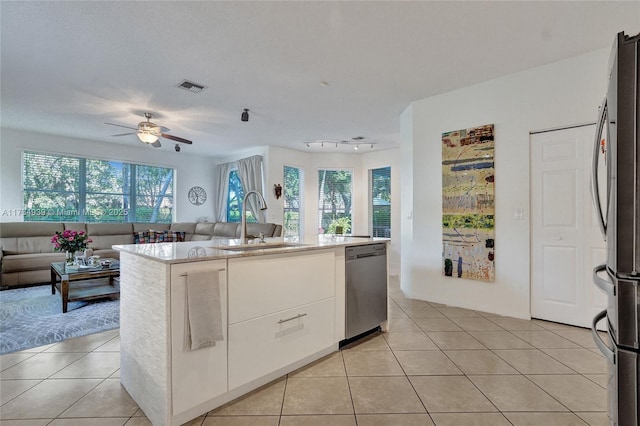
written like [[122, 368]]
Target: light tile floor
[[437, 365]]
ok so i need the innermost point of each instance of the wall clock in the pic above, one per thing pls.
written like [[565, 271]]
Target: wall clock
[[197, 195]]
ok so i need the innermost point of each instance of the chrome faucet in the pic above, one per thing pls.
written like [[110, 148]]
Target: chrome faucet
[[263, 206]]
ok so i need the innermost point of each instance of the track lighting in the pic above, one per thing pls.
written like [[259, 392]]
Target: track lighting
[[354, 142], [177, 148], [245, 115]]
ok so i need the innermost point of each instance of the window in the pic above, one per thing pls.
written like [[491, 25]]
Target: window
[[334, 201], [292, 201], [380, 184], [74, 189], [235, 198]]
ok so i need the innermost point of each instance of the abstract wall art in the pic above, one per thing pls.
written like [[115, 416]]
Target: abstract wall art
[[468, 206]]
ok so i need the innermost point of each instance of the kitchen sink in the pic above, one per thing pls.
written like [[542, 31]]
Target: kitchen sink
[[258, 246]]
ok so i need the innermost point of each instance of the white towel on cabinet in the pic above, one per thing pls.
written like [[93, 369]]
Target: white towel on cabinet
[[203, 313]]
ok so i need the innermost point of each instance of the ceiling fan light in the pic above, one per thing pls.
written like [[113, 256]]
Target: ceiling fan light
[[147, 137]]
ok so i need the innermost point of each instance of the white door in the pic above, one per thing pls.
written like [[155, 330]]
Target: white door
[[565, 239]]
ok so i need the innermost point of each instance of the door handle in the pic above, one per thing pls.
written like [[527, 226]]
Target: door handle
[[608, 353], [595, 190], [602, 283], [292, 318]]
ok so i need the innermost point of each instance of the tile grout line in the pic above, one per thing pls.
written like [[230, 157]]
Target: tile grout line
[[346, 374], [284, 395]]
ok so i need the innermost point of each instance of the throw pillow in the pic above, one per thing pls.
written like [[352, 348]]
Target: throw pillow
[[141, 237], [156, 236], [174, 236]]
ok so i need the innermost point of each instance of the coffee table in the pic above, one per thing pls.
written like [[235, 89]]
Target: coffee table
[[75, 283]]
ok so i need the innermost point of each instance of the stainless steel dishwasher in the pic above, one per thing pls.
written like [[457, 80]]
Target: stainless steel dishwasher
[[366, 288]]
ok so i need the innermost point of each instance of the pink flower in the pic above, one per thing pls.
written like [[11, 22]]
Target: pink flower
[[70, 240]]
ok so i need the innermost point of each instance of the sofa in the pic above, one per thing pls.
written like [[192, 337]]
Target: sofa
[[26, 250]]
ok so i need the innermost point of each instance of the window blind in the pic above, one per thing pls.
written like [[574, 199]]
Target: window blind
[[380, 184], [292, 184], [76, 189]]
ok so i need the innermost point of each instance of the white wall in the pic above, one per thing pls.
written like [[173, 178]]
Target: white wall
[[563, 93], [191, 170], [375, 160], [406, 205]]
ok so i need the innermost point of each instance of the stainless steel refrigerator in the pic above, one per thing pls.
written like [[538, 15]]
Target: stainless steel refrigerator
[[616, 195]]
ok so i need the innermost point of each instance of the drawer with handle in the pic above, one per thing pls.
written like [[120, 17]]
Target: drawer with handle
[[261, 285], [262, 345]]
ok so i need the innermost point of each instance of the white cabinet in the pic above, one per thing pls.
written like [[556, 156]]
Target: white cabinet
[[200, 375], [281, 310]]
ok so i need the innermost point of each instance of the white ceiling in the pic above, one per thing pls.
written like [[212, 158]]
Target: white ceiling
[[69, 67]]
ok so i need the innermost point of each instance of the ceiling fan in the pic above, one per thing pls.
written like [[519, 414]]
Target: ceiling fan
[[150, 133]]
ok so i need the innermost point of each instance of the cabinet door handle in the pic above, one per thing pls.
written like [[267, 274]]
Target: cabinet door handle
[[292, 318], [186, 274]]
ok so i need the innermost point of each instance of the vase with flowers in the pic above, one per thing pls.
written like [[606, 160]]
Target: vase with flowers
[[71, 242]]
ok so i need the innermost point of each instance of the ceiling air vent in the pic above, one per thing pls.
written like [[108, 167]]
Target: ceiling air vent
[[191, 86]]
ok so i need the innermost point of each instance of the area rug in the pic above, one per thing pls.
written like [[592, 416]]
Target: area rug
[[32, 316]]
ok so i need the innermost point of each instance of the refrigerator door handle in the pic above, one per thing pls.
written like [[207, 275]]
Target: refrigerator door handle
[[603, 284], [595, 190], [608, 353]]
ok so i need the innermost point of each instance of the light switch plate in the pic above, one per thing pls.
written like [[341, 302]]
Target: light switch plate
[[518, 213]]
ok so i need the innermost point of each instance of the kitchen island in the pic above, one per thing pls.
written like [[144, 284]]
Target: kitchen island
[[282, 306]]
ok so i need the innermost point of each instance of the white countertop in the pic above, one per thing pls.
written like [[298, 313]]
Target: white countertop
[[222, 248]]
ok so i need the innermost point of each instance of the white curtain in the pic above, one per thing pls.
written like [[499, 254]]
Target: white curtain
[[222, 188], [250, 174]]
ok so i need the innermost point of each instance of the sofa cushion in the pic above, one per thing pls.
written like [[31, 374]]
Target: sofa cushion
[[76, 226], [203, 231], [107, 253], [28, 237], [105, 235], [29, 262], [227, 229], [139, 227], [188, 227], [256, 228]]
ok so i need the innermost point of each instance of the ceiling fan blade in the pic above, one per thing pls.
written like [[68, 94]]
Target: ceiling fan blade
[[156, 144], [120, 125], [121, 134], [175, 138]]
